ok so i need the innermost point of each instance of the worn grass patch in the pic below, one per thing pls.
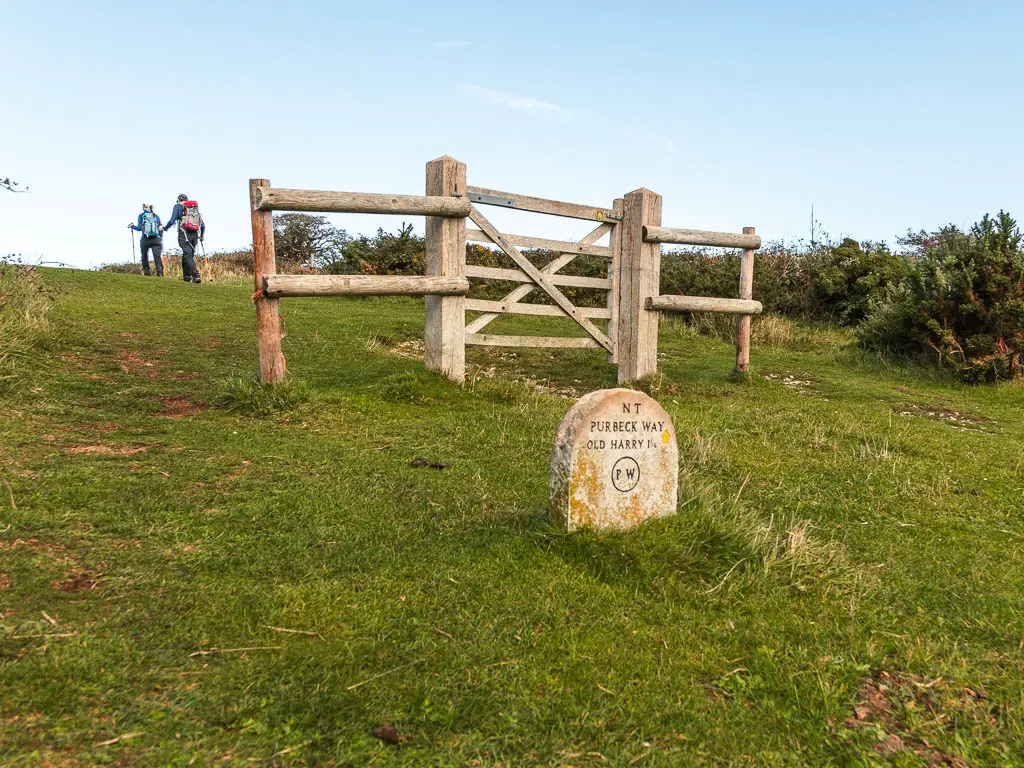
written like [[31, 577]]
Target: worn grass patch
[[195, 568]]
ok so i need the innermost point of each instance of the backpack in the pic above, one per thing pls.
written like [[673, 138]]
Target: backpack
[[190, 218], [150, 227]]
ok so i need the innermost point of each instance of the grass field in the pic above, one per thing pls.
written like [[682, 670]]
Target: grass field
[[194, 571]]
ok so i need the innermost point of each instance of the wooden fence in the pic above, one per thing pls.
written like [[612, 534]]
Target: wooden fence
[[633, 257]]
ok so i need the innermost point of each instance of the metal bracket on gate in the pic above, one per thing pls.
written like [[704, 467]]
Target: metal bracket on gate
[[476, 197]]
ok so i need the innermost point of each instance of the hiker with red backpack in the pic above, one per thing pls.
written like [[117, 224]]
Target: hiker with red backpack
[[191, 231], [152, 239]]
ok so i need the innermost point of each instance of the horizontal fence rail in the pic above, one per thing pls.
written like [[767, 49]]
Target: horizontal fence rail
[[699, 237], [704, 304], [549, 342], [540, 205], [543, 310], [540, 243], [273, 199], [518, 276], [277, 286]]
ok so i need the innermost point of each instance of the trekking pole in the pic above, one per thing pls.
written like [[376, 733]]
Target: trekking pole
[[132, 236], [206, 259]]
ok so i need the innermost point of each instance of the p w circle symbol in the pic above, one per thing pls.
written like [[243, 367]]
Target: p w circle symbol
[[625, 474]]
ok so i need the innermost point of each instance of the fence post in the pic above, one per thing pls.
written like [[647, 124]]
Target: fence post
[[639, 274], [268, 318], [445, 319], [615, 241], [743, 321]]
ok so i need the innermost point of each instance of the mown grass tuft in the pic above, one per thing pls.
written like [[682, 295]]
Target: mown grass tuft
[[417, 388], [713, 545], [248, 395]]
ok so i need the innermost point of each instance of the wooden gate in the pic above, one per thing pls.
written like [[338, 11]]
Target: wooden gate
[[547, 278], [633, 257]]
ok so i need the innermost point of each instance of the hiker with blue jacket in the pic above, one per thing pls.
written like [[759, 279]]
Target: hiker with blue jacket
[[152, 239], [191, 231]]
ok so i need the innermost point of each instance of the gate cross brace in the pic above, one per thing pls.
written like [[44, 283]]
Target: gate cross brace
[[517, 294], [540, 279]]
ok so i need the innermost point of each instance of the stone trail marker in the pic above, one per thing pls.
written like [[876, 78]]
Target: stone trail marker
[[615, 463]]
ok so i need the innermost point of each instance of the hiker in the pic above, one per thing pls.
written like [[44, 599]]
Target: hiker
[[191, 230], [152, 239]]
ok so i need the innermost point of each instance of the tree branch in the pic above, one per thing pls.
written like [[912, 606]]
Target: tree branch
[[11, 186]]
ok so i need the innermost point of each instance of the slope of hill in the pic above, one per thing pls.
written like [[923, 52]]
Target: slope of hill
[[359, 569]]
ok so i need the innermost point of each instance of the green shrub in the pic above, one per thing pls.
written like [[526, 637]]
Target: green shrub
[[693, 272], [301, 240], [962, 299], [403, 253], [781, 277], [846, 280], [836, 283]]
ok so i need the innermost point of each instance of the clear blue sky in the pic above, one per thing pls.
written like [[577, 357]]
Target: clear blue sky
[[884, 115]]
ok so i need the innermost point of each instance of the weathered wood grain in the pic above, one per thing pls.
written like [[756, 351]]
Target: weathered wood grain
[[445, 316], [654, 234], [746, 292], [548, 269], [561, 246], [639, 272], [540, 279], [554, 207], [518, 276], [554, 342], [268, 317], [542, 310], [704, 304], [270, 199], [279, 286], [615, 241]]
